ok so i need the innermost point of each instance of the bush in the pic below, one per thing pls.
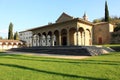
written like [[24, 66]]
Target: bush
[[117, 28]]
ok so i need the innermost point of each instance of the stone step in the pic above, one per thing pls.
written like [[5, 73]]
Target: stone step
[[62, 50]]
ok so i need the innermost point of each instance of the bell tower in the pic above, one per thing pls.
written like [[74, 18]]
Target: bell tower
[[85, 17]]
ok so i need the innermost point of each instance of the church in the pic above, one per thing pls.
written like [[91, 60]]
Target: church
[[68, 31]]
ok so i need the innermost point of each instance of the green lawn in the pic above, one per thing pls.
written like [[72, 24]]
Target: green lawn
[[111, 45], [22, 67]]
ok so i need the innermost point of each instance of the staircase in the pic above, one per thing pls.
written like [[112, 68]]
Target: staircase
[[62, 50]]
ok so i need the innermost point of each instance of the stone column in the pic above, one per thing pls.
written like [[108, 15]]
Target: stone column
[[68, 41], [81, 38], [77, 37], [32, 41], [59, 38], [84, 38], [39, 40], [46, 39], [52, 40], [36, 40]]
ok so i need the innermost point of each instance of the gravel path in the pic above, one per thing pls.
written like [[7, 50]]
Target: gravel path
[[51, 55]]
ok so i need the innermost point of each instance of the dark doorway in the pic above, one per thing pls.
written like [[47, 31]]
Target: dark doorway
[[64, 41], [100, 40]]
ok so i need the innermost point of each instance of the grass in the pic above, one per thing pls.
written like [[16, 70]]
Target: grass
[[111, 45], [22, 67]]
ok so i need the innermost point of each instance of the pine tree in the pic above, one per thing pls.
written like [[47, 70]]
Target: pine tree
[[106, 12], [10, 33], [16, 37]]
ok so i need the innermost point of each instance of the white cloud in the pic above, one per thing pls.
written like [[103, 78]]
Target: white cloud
[[3, 31]]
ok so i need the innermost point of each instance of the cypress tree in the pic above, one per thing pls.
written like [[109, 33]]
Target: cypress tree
[[16, 37], [106, 12], [10, 32]]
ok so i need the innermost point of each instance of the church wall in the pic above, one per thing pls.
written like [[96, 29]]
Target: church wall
[[102, 33], [111, 28]]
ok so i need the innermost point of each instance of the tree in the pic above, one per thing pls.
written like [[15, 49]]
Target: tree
[[96, 20], [113, 20], [1, 38], [16, 37], [10, 32], [117, 28], [106, 12]]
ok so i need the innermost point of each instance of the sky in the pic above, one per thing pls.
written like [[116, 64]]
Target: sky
[[26, 14]]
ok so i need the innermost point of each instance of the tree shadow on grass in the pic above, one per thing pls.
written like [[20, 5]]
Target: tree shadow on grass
[[50, 72], [22, 57], [6, 54], [99, 62], [2, 52]]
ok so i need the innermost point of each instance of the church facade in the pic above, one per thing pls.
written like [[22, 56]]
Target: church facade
[[69, 31]]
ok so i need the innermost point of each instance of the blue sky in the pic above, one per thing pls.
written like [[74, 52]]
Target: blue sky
[[25, 14]]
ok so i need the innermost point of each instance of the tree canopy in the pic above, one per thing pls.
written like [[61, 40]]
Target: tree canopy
[[16, 37], [1, 38], [106, 12], [117, 28], [10, 31]]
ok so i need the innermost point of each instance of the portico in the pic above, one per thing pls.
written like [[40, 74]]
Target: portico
[[67, 31]]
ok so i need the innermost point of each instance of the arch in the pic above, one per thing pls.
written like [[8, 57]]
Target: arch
[[39, 39], [50, 33], [88, 37], [56, 37], [35, 40], [44, 39], [81, 29], [89, 32], [4, 45], [49, 38], [39, 34], [14, 45], [81, 36], [72, 36], [64, 37], [44, 33], [10, 45], [19, 44]]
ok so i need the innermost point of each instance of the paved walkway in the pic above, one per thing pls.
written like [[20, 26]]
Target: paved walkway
[[51, 55]]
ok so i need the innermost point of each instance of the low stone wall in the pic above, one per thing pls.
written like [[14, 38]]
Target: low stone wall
[[8, 44]]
